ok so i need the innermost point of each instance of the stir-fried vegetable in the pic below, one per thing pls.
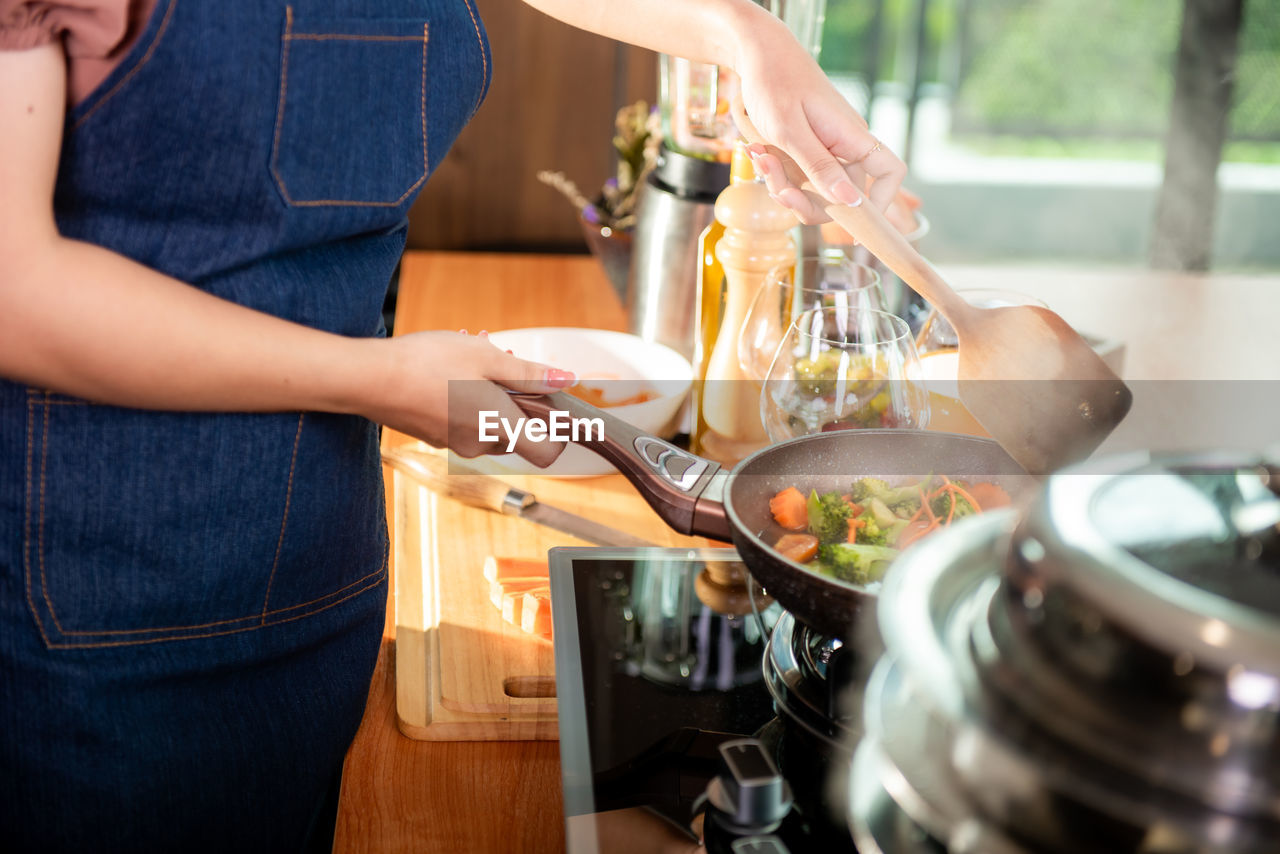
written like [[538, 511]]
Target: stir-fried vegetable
[[854, 536], [788, 509], [829, 517], [953, 504], [899, 499], [801, 548], [858, 563]]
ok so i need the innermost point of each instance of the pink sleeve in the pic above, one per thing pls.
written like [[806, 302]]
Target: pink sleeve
[[88, 28]]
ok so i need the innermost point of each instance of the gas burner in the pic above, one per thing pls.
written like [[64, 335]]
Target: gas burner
[[811, 678]]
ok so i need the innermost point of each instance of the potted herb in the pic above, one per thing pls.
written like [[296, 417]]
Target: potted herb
[[608, 220]]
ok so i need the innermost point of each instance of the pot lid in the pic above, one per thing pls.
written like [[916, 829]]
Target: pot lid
[[1182, 553], [1115, 654]]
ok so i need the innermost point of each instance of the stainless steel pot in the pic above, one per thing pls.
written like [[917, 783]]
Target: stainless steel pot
[[1102, 675]]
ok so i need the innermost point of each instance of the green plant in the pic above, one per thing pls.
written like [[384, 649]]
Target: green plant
[[635, 141]]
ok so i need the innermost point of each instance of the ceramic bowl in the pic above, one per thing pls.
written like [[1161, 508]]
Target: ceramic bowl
[[618, 366]]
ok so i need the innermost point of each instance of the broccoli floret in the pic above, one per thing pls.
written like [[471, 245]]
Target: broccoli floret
[[856, 563], [906, 505], [904, 495], [899, 499], [876, 532], [865, 488], [873, 534], [941, 506], [829, 517]]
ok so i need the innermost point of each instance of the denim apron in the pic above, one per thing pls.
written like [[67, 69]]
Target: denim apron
[[191, 605]]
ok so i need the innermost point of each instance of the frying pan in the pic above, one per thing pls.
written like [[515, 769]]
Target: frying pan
[[696, 496]]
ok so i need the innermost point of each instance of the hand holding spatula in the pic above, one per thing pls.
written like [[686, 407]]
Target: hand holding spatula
[[1033, 383]]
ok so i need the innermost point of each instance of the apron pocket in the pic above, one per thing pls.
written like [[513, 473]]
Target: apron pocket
[[351, 125], [148, 526]]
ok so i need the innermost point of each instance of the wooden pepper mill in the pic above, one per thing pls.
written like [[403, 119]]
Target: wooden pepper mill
[[756, 239]]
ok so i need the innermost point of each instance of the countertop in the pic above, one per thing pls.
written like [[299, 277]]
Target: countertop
[[401, 795]]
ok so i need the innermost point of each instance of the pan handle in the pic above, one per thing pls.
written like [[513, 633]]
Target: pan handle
[[683, 488]]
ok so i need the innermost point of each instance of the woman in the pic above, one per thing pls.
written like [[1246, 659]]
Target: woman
[[201, 205]]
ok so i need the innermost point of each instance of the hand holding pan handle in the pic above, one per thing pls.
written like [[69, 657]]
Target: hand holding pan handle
[[684, 489]]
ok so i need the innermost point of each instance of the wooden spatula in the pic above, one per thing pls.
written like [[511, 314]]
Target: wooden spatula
[[1032, 382]]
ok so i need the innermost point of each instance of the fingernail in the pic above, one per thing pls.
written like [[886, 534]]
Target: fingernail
[[780, 201], [510, 352], [560, 379], [844, 191], [483, 332], [756, 149], [462, 331]]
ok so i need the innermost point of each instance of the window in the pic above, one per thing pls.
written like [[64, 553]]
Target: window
[[1037, 128]]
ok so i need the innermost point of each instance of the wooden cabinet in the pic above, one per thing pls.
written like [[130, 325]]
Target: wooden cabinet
[[551, 105]]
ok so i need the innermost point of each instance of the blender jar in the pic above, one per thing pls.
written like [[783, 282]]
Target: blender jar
[[694, 97]]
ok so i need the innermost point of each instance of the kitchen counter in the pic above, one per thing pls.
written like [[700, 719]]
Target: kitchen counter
[[401, 795], [1175, 326]]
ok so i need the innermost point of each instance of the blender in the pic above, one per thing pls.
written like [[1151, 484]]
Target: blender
[[676, 202]]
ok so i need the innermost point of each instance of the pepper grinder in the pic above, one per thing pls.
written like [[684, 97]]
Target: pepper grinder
[[757, 238]]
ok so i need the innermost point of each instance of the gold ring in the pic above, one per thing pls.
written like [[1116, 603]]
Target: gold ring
[[873, 150]]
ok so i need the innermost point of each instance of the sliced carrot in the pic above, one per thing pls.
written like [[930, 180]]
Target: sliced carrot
[[916, 530], [798, 547], [853, 505], [503, 568], [596, 396], [951, 493], [855, 525], [957, 489], [924, 502], [497, 589], [989, 495], [514, 600], [789, 510], [913, 531], [535, 613], [941, 490]]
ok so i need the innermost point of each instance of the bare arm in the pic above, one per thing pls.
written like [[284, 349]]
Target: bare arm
[[86, 321], [788, 97]]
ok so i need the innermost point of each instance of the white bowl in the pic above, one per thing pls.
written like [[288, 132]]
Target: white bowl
[[621, 365]]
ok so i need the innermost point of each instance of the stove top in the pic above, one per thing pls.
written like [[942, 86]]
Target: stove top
[[662, 669]]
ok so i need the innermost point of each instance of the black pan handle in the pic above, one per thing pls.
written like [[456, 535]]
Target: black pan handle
[[671, 479]]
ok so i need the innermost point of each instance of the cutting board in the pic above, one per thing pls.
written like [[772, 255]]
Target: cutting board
[[462, 672]]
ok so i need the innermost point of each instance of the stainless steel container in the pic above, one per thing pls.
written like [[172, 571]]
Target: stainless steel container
[[675, 205], [1101, 675]]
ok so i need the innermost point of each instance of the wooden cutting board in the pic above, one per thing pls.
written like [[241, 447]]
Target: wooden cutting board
[[462, 672]]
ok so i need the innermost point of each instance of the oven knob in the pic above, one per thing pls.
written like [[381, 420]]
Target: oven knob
[[758, 845], [748, 798]]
